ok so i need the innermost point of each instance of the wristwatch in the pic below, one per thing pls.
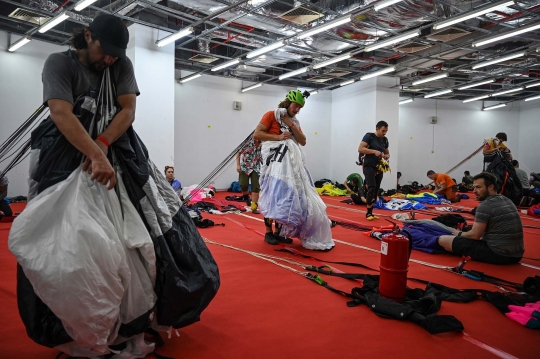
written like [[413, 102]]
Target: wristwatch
[[459, 234]]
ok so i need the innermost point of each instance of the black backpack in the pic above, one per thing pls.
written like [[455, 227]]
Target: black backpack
[[361, 156], [451, 220], [408, 189]]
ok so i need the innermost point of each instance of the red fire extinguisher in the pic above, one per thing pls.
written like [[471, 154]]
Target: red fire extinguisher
[[395, 252]]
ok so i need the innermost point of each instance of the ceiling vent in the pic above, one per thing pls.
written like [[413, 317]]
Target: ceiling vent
[[205, 59], [320, 78], [447, 34], [29, 16], [301, 15], [412, 47], [338, 73]]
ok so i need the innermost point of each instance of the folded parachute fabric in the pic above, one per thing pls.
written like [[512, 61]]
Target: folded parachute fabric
[[425, 236], [399, 205], [329, 189], [425, 197]]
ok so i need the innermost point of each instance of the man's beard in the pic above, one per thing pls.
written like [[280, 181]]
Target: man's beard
[[95, 65], [482, 196]]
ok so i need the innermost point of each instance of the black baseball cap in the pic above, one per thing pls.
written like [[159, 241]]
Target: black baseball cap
[[112, 33]]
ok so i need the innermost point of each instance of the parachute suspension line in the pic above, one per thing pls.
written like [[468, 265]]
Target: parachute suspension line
[[466, 159], [218, 169], [21, 152]]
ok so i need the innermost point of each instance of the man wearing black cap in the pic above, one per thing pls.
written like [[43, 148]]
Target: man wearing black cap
[[69, 76]]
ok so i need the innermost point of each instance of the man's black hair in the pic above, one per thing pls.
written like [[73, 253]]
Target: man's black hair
[[515, 163], [78, 41], [430, 172], [489, 179], [502, 136], [355, 180], [467, 173], [381, 124]]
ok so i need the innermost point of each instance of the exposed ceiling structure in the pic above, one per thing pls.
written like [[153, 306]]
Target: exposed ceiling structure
[[446, 49]]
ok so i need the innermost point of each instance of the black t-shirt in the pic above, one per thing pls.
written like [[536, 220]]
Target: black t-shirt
[[467, 180], [377, 144]]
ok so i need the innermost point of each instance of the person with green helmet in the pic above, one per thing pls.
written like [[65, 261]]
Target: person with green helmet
[[269, 129], [288, 197]]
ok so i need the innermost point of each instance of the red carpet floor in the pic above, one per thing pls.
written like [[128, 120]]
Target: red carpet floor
[[267, 312]]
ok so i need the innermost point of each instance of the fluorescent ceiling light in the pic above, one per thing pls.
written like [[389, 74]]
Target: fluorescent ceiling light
[[472, 14], [533, 84], [173, 37], [378, 73], [324, 27], [252, 87], [347, 82], [83, 4], [507, 34], [438, 93], [225, 64], [53, 22], [332, 61], [20, 43], [500, 59], [468, 86], [265, 49], [430, 78], [533, 98], [294, 73], [475, 98], [403, 102], [314, 92], [494, 107], [392, 40], [506, 91], [189, 78], [382, 4]]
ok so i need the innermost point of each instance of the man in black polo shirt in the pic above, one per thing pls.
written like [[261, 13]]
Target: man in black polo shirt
[[497, 233], [374, 146]]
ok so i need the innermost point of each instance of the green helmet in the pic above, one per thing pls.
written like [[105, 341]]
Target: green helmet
[[296, 96]]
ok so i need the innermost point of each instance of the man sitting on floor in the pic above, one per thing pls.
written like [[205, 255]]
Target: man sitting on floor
[[497, 233], [444, 185], [355, 186]]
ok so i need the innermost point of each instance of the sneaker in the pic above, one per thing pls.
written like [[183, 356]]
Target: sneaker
[[248, 201], [371, 217], [254, 207], [523, 202], [282, 239], [271, 239]]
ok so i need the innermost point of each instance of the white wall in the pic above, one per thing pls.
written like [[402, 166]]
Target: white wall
[[460, 130], [21, 93], [207, 129], [529, 132], [154, 71], [356, 109], [353, 114]]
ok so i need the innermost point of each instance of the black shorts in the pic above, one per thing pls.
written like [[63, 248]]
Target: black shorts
[[480, 251]]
